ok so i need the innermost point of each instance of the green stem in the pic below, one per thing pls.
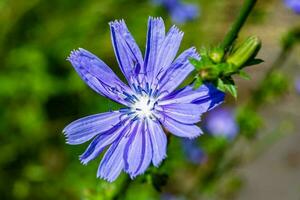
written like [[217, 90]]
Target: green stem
[[232, 34]]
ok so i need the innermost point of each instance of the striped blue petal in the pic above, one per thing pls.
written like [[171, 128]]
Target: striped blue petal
[[180, 129], [166, 53], [187, 113], [155, 38], [138, 151], [102, 141], [84, 129], [177, 72], [98, 75], [112, 162], [127, 52], [158, 141], [206, 96]]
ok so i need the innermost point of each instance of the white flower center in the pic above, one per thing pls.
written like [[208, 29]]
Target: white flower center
[[144, 106]]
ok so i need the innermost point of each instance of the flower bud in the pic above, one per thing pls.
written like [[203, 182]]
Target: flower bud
[[216, 54], [208, 73], [246, 51]]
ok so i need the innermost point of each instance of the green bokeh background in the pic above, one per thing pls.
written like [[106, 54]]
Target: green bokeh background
[[40, 93]]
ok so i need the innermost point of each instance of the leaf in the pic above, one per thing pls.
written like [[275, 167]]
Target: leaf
[[254, 61], [220, 85], [244, 75], [228, 85], [227, 69], [194, 62], [232, 90], [198, 82]]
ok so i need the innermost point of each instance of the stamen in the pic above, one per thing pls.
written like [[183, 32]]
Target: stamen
[[123, 110], [135, 97], [129, 99], [155, 93], [135, 118], [142, 103]]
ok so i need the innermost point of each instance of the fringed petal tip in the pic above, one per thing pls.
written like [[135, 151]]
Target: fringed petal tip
[[192, 51], [175, 30], [108, 179], [83, 161], [67, 129], [195, 136], [157, 164], [196, 55], [121, 22], [133, 175], [155, 19], [75, 55], [117, 23]]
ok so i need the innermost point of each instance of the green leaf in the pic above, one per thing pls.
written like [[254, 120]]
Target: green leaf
[[254, 61], [232, 90], [198, 82], [228, 85], [227, 69], [220, 85], [244, 75], [194, 62]]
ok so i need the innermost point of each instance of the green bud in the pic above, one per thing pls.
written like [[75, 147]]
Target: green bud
[[216, 54], [246, 51], [208, 73]]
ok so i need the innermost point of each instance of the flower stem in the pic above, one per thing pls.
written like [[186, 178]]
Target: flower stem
[[232, 34]]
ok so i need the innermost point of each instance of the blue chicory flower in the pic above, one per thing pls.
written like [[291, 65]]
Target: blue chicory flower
[[192, 151], [134, 134], [180, 12], [294, 5], [221, 122]]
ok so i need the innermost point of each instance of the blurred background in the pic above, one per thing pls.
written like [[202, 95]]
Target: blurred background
[[40, 94]]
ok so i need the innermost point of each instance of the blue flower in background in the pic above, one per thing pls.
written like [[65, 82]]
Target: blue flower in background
[[134, 134], [294, 5], [297, 85], [180, 12], [221, 122], [169, 196], [193, 152]]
